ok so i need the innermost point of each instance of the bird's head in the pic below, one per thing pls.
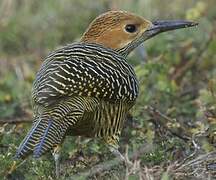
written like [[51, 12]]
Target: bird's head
[[124, 31]]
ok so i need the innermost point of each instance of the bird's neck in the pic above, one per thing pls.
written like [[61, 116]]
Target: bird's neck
[[110, 43]]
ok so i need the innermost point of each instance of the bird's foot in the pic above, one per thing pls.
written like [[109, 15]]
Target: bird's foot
[[129, 164], [131, 167], [56, 155], [124, 159]]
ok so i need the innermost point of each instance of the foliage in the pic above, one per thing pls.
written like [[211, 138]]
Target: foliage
[[175, 114]]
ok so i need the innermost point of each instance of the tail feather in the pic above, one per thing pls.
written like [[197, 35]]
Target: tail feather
[[27, 144], [38, 147], [52, 136], [49, 128], [43, 136]]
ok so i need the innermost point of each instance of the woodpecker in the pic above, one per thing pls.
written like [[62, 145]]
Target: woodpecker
[[87, 88]]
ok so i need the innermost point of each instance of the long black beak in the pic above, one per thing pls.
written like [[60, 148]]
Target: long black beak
[[162, 26]]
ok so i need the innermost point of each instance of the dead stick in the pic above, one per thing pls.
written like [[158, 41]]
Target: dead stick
[[24, 119], [178, 131], [105, 166]]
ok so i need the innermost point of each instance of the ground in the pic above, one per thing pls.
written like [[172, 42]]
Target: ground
[[171, 131]]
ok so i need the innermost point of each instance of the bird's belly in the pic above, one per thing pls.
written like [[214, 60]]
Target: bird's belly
[[106, 120], [82, 128]]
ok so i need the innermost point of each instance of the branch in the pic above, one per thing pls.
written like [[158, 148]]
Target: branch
[[26, 118], [168, 123]]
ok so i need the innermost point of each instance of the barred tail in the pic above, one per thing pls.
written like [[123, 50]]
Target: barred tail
[[43, 136], [49, 128]]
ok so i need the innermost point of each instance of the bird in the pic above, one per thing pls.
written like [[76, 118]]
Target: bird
[[87, 88]]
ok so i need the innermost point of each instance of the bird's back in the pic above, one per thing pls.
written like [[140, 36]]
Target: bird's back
[[80, 89], [87, 70]]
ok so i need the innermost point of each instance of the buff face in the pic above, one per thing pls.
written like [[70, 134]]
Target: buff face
[[116, 30], [119, 30]]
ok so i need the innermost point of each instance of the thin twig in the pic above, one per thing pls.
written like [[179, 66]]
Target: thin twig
[[199, 160], [23, 119], [155, 113], [105, 166]]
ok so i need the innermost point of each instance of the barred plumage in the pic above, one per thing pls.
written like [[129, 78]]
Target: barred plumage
[[85, 70], [87, 88]]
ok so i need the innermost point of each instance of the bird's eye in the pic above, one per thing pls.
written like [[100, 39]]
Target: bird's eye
[[131, 28]]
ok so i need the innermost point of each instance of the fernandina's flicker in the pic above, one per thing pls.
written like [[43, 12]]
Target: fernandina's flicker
[[87, 88]]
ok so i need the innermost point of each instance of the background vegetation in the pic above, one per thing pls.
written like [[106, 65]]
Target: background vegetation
[[172, 134]]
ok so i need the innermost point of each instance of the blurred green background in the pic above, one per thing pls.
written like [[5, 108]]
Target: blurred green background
[[175, 113]]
